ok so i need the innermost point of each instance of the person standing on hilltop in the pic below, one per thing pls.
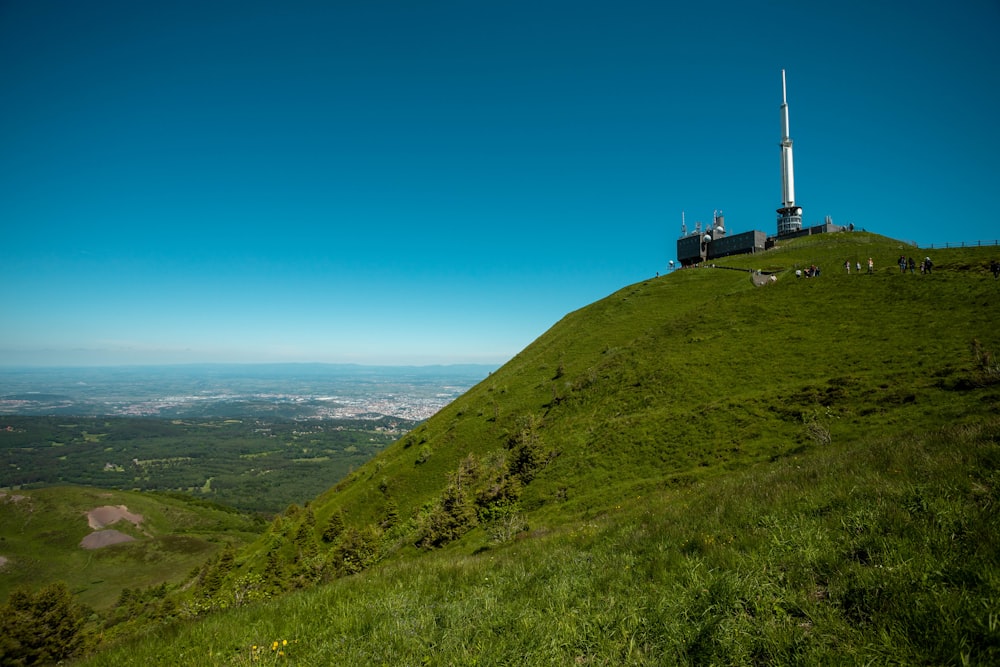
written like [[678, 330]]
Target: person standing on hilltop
[[871, 265], [995, 269], [902, 263], [911, 264]]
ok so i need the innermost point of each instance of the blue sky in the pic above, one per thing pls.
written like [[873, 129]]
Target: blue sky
[[440, 182]]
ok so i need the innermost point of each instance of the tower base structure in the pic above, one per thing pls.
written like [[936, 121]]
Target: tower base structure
[[789, 220]]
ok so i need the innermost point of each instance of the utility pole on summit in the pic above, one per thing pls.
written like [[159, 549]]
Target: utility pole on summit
[[789, 215]]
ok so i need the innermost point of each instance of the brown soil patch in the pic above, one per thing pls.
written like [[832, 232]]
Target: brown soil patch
[[104, 538], [3, 561], [761, 279], [100, 517]]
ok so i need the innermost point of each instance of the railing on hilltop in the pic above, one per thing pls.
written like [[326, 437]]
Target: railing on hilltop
[[933, 246], [963, 244]]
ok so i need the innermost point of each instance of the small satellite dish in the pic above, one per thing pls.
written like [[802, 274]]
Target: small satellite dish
[[671, 262], [708, 237]]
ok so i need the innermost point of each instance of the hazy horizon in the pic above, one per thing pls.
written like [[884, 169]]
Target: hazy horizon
[[292, 391], [247, 364]]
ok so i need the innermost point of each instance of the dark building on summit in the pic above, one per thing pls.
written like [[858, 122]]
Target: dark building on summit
[[713, 242]]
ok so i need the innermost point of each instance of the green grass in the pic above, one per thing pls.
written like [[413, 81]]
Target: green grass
[[716, 473], [40, 535], [877, 552]]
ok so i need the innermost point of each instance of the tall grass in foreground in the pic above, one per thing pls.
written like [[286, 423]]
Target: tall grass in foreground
[[854, 553]]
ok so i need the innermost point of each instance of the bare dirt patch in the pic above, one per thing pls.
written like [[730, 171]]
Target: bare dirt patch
[[3, 561], [102, 517], [104, 538]]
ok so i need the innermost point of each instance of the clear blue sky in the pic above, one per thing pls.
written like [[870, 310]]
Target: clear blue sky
[[390, 182]]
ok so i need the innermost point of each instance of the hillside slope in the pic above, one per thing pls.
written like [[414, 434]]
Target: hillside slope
[[682, 376], [693, 469]]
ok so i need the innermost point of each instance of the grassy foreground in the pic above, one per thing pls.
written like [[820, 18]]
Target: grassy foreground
[[876, 552]]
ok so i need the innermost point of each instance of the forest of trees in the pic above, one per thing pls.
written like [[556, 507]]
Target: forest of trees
[[253, 465]]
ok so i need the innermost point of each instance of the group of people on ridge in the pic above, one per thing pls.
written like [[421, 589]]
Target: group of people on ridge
[[811, 272], [905, 263]]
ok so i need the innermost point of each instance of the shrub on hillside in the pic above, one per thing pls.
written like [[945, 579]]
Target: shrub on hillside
[[334, 527], [390, 517], [526, 454], [502, 521], [305, 538], [449, 518], [41, 628], [356, 550]]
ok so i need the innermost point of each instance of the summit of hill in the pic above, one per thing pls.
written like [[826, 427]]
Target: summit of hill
[[700, 371], [697, 468]]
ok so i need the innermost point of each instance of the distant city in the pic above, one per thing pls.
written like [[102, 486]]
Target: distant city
[[277, 391]]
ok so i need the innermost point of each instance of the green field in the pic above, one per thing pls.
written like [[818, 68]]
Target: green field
[[693, 470], [251, 464], [41, 531]]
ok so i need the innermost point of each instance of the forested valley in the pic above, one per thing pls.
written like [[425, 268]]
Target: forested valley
[[250, 464]]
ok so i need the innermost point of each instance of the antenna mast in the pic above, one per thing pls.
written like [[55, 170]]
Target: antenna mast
[[789, 215]]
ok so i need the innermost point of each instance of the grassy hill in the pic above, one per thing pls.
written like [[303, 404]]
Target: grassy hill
[[676, 378], [41, 532], [691, 470]]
